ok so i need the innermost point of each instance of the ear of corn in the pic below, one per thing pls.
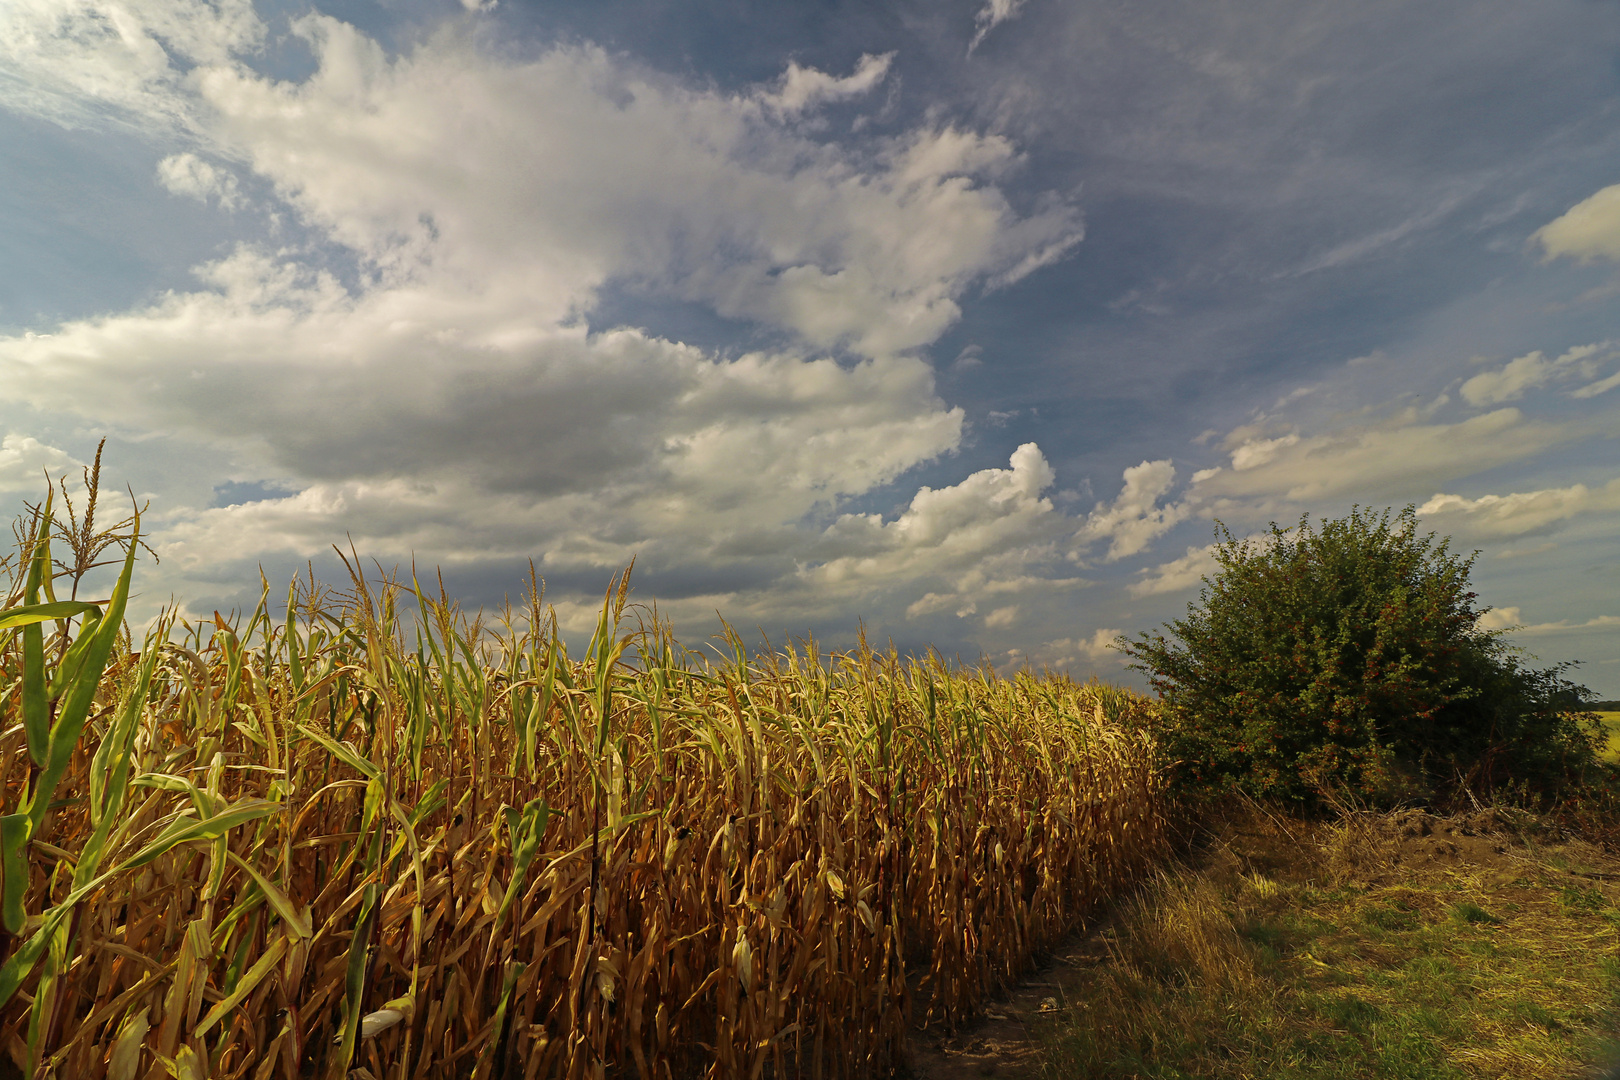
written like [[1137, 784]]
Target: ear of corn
[[308, 847]]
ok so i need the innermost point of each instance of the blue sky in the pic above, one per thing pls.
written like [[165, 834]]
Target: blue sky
[[964, 321]]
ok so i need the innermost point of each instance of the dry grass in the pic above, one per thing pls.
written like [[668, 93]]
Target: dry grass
[[342, 843], [1396, 945]]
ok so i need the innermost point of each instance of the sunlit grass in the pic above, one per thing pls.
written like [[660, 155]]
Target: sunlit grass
[[1611, 725], [1427, 970]]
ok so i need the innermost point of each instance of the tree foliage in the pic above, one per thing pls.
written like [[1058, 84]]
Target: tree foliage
[[1351, 656]]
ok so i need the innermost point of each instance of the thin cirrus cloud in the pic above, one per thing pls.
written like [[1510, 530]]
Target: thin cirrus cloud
[[1398, 456]]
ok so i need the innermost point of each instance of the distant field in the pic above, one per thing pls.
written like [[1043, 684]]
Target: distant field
[[1611, 723]]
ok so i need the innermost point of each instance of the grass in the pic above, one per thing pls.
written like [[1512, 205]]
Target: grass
[[339, 839], [1353, 951], [1611, 724]]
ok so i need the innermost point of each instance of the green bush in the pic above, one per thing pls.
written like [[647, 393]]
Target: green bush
[[1350, 657]]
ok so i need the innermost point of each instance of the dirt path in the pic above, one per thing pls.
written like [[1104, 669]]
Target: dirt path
[[1004, 1041]]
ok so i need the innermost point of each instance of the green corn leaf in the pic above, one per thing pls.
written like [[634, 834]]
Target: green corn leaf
[[184, 830], [244, 986], [279, 901], [527, 830], [295, 660], [35, 707], [76, 698], [67, 672], [355, 983], [296, 921], [496, 1047], [14, 847], [431, 800], [342, 752], [179, 785], [109, 768], [29, 614]]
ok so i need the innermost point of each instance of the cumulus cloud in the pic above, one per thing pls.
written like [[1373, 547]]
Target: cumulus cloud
[[1588, 230], [187, 174], [1135, 519], [424, 373], [993, 518], [434, 167], [25, 462], [1521, 512], [1003, 616], [1086, 651], [1101, 644], [1534, 370], [1177, 574], [644, 434], [437, 173]]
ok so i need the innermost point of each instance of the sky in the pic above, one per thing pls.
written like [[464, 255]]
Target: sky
[[962, 322]]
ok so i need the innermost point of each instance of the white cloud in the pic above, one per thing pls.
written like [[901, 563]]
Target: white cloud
[[804, 87], [1600, 622], [1602, 386], [1177, 574], [81, 63], [995, 518], [187, 174], [1396, 458], [1256, 452], [435, 169], [448, 400], [1521, 512], [1134, 519], [1068, 652], [25, 462], [1001, 617], [1588, 230], [992, 15], [1531, 371], [1500, 618], [1100, 646]]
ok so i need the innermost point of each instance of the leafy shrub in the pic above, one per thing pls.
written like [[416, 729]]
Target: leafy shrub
[[1351, 657]]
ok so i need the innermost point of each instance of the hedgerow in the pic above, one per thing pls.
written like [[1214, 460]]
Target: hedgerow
[[1350, 657]]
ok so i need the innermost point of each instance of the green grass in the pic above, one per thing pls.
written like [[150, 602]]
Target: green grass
[[1506, 967], [1611, 724]]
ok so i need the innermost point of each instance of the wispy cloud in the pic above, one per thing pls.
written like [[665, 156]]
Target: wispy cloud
[[992, 15], [1534, 370], [1521, 512]]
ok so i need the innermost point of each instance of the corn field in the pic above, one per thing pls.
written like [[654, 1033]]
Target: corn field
[[345, 841]]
